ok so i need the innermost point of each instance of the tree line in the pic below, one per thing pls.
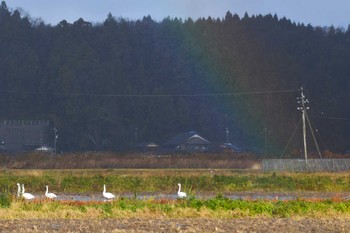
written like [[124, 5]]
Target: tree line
[[110, 85]]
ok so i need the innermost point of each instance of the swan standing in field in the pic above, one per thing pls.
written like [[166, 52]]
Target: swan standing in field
[[18, 190], [107, 195], [25, 195], [49, 195], [179, 193]]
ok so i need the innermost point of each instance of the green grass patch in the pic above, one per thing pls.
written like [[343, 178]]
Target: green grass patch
[[165, 181], [5, 200], [191, 207]]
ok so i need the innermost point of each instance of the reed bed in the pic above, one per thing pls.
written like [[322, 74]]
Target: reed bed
[[93, 160]]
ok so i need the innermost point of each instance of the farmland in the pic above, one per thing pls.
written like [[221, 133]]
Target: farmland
[[321, 200]]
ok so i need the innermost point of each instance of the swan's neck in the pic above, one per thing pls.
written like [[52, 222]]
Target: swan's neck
[[104, 188], [18, 189], [23, 190], [179, 188], [47, 190]]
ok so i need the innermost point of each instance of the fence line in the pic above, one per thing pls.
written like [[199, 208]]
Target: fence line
[[311, 165]]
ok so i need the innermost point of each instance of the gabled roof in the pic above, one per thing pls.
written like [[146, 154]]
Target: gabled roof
[[146, 144], [232, 147], [187, 138]]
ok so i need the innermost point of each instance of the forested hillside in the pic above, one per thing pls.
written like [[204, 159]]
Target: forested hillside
[[108, 85]]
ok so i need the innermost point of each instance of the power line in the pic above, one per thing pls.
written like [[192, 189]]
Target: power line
[[332, 101], [332, 118], [290, 139], [150, 95]]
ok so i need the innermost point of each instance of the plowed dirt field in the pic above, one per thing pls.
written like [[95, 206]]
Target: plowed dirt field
[[179, 225]]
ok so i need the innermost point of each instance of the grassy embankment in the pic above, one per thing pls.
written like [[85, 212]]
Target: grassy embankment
[[164, 181]]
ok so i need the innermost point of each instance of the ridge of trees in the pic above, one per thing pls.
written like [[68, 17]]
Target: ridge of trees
[[110, 85]]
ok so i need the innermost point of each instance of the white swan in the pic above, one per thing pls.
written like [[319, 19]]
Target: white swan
[[26, 196], [49, 195], [107, 195], [18, 190], [179, 193]]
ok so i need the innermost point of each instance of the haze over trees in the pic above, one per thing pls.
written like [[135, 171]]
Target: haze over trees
[[109, 85]]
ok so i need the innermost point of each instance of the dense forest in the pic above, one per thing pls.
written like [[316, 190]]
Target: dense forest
[[107, 86]]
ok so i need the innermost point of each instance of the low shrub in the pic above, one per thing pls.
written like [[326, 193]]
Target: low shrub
[[5, 200]]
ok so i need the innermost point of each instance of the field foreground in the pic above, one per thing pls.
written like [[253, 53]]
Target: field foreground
[[321, 202], [178, 225]]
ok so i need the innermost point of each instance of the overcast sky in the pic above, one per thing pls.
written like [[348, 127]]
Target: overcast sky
[[315, 12]]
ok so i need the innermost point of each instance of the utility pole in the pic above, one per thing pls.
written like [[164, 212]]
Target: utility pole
[[227, 139], [303, 101], [55, 140], [265, 138]]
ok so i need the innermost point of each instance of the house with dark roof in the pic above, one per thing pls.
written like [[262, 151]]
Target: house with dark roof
[[230, 147], [146, 147], [187, 142]]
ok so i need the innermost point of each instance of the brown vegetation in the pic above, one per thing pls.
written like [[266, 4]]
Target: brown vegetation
[[112, 160]]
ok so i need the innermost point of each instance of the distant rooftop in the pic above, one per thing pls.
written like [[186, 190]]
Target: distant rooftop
[[189, 137]]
